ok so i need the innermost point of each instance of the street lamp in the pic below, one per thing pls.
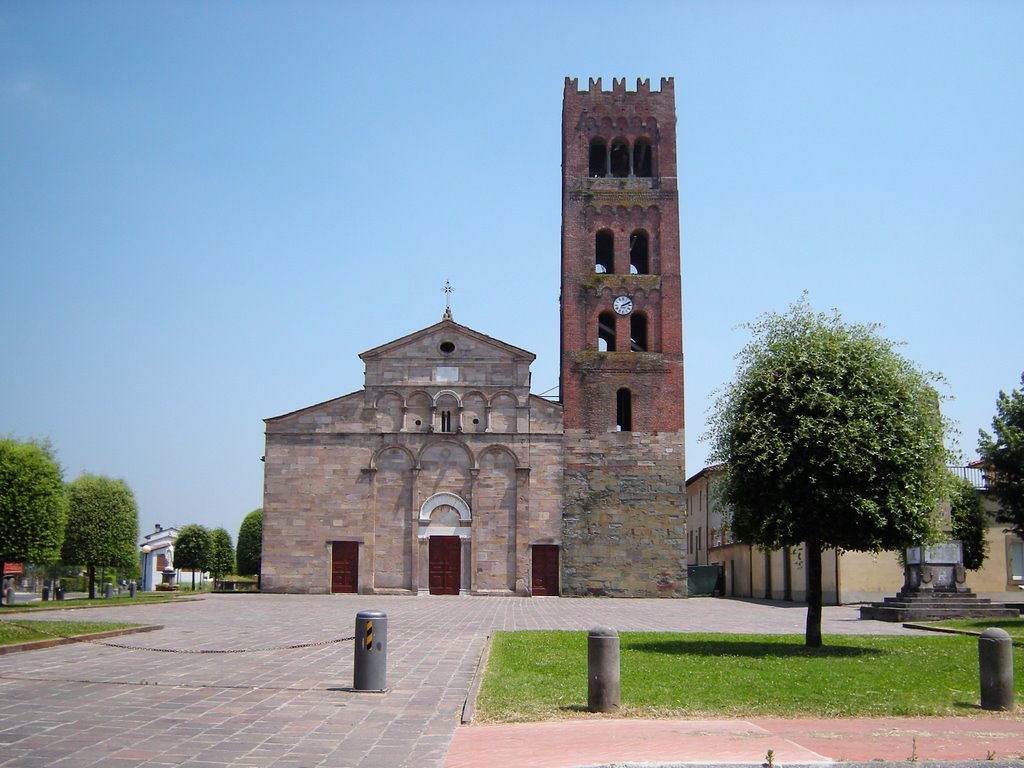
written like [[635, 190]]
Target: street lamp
[[146, 549]]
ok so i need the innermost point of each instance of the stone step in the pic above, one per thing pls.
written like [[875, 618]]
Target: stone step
[[881, 612], [908, 600]]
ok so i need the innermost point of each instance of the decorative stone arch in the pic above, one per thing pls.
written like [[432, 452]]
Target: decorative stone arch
[[388, 393], [442, 499], [447, 407], [447, 393], [506, 393], [495, 448], [436, 520], [449, 440], [375, 459]]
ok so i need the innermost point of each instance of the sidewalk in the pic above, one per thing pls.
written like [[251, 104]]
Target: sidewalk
[[600, 742]]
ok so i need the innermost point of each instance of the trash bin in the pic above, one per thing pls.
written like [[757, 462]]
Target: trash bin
[[46, 594], [60, 593]]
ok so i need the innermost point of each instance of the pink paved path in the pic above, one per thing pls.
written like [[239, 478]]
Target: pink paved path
[[593, 742]]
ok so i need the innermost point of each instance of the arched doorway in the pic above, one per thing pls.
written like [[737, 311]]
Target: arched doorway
[[444, 533]]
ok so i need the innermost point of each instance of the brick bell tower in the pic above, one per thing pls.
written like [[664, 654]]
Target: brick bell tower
[[623, 522]]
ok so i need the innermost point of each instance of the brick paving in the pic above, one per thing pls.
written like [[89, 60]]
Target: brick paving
[[90, 704]]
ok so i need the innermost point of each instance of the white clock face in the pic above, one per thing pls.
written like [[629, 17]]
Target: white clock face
[[623, 305]]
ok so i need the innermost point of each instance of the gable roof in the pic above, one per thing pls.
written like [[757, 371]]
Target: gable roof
[[450, 326]]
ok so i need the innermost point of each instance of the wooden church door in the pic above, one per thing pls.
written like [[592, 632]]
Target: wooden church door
[[445, 565]]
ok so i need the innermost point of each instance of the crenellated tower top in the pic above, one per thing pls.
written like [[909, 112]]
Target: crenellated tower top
[[643, 86]]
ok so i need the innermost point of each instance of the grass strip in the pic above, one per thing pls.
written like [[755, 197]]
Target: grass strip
[[15, 632], [1013, 627], [543, 676], [96, 602]]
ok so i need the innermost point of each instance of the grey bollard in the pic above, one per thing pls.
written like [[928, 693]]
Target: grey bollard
[[602, 670], [131, 589], [10, 595], [995, 667], [371, 656], [108, 591]]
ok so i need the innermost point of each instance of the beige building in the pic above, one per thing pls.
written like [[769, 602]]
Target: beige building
[[442, 475], [847, 577]]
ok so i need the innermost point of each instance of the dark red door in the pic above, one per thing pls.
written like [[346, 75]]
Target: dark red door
[[345, 566], [545, 569], [445, 565]]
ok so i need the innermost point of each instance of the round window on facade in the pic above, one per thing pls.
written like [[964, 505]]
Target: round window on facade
[[447, 347]]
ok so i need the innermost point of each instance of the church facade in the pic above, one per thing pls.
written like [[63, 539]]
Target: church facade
[[445, 475]]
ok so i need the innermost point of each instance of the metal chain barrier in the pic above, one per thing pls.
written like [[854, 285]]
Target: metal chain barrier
[[36, 628]]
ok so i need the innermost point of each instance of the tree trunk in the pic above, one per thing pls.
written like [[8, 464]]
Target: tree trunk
[[92, 582], [813, 631]]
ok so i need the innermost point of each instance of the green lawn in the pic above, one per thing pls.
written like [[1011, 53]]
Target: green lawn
[[12, 632], [543, 675]]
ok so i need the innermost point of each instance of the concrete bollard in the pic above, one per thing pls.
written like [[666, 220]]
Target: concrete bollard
[[371, 654], [995, 667], [108, 591], [10, 596], [602, 670]]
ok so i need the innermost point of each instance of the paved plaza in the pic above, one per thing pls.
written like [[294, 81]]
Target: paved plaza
[[90, 704]]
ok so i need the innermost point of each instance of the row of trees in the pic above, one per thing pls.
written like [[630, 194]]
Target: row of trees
[[200, 549], [832, 439], [92, 521]]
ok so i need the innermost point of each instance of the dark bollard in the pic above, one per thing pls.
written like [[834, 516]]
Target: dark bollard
[[995, 665], [602, 670], [131, 589], [371, 656], [46, 594], [108, 591]]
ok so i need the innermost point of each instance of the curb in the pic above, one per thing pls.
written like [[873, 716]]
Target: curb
[[35, 645]]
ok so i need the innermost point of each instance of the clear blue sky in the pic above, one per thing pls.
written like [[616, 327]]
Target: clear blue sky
[[208, 210]]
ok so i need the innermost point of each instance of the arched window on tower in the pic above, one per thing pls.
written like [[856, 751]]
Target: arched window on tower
[[620, 158], [639, 259], [606, 332], [642, 158], [624, 410], [604, 252], [638, 333], [598, 158]]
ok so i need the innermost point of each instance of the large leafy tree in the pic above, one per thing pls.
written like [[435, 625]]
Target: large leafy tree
[[33, 503], [250, 543], [192, 550], [222, 553], [103, 525], [1003, 453], [831, 440], [969, 522]]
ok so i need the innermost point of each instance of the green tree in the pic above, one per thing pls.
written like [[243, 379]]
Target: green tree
[[831, 440], [192, 550], [1004, 457], [222, 553], [33, 503], [969, 522], [250, 543], [103, 525]]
